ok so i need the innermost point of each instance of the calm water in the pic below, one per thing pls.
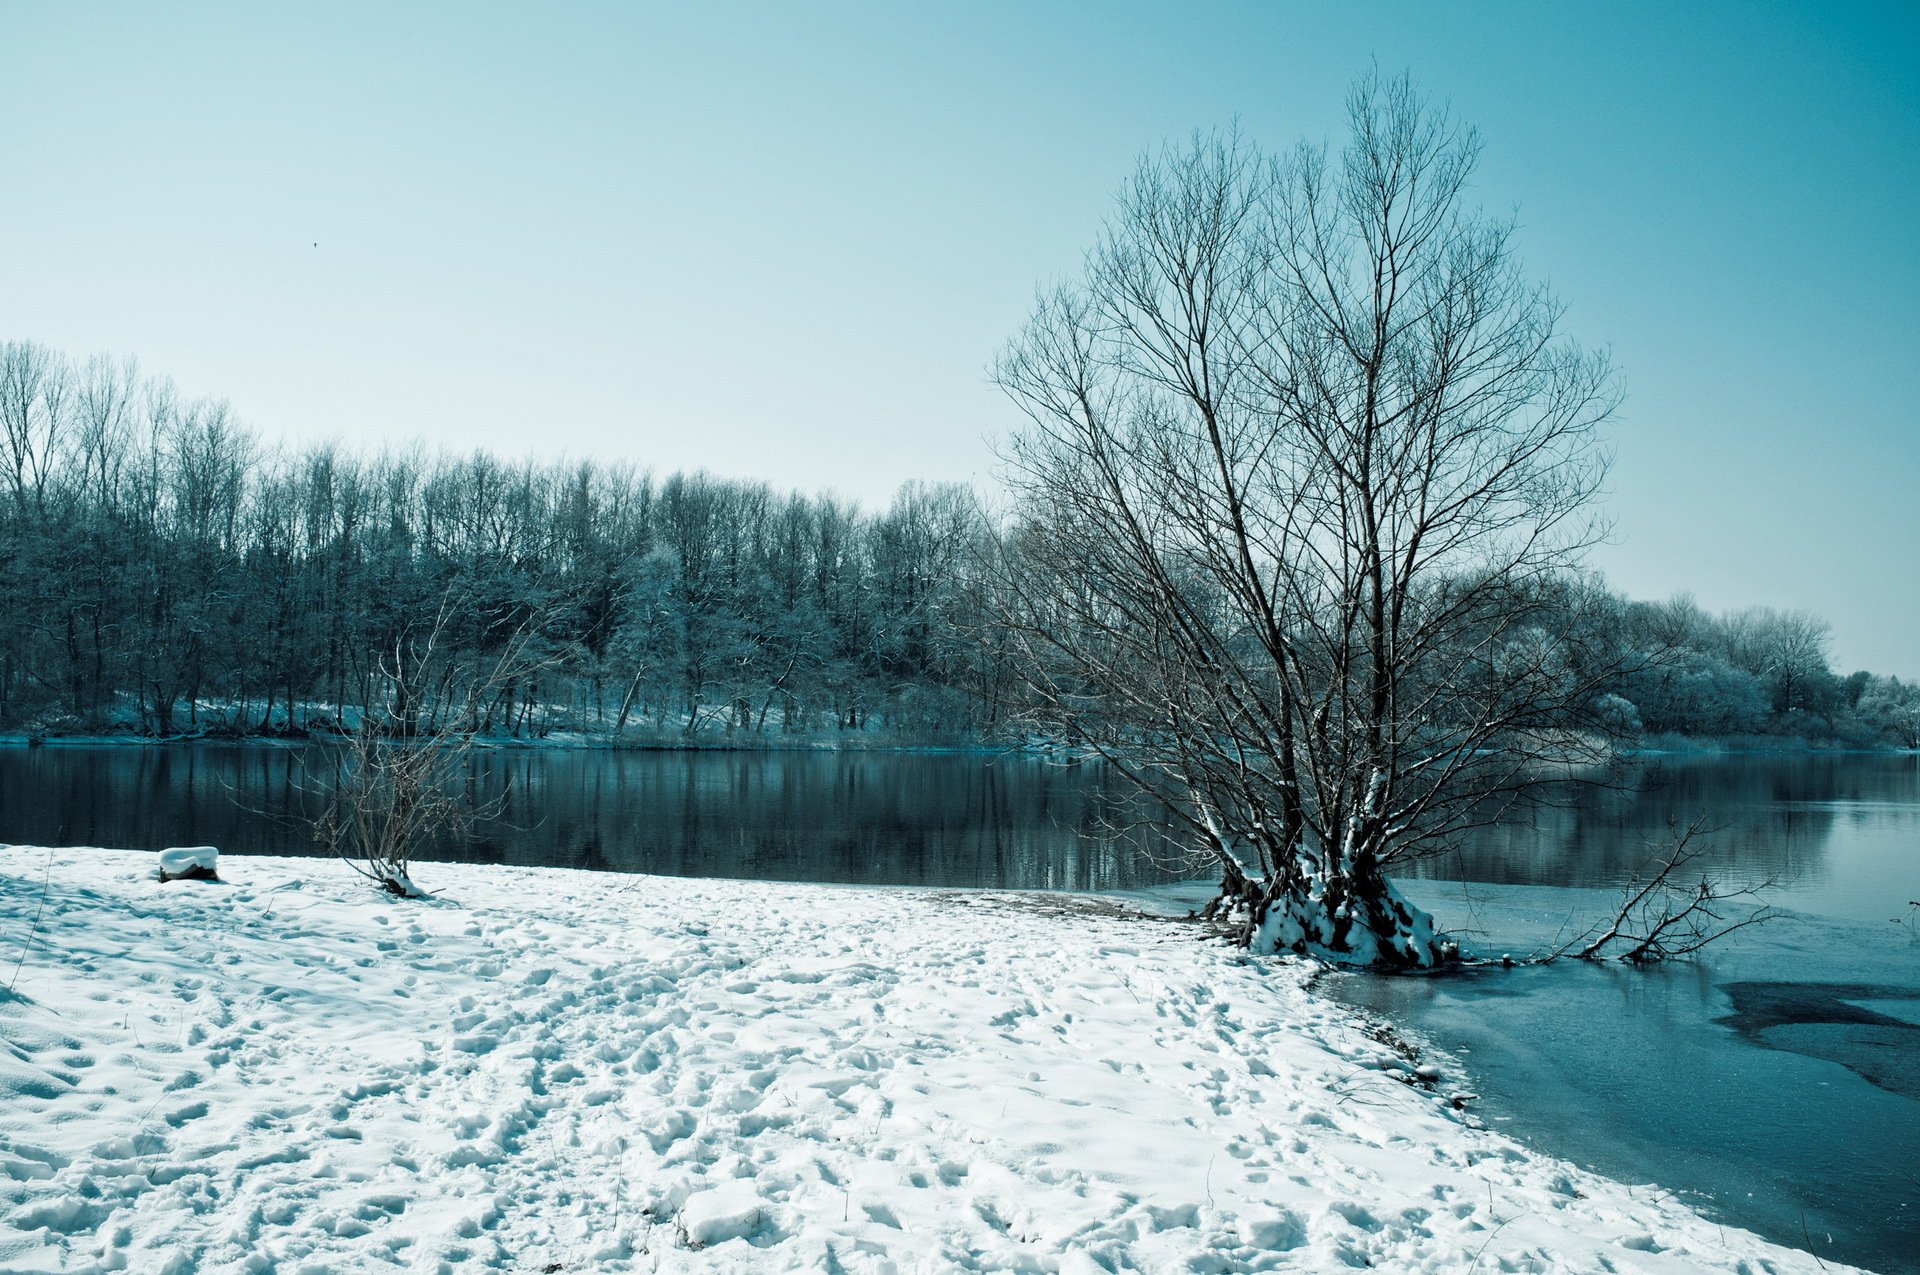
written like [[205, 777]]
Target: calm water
[[1773, 1083], [945, 819], [1839, 832]]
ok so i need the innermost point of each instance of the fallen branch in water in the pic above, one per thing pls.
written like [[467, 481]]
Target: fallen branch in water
[[1665, 917], [1662, 919]]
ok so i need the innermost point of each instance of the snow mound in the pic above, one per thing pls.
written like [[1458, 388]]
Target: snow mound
[[586, 1071], [185, 862], [732, 1211]]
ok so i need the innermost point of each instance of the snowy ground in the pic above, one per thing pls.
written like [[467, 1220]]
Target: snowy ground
[[546, 1070]]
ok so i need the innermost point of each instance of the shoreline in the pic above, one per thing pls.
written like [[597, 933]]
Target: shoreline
[[509, 743], [1667, 748], [557, 1065]]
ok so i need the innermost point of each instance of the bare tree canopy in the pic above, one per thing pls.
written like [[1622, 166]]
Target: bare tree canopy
[[1307, 464]]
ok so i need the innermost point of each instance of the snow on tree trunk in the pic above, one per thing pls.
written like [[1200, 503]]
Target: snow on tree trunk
[[1334, 922], [1351, 917]]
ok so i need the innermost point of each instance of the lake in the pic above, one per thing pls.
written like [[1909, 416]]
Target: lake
[[968, 819], [1772, 1082]]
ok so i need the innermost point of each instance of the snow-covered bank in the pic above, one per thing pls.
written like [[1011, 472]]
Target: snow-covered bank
[[553, 1070], [863, 740]]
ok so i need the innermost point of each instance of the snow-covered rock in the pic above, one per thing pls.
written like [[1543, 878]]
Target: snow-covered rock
[[730, 1211], [589, 1071], [186, 862]]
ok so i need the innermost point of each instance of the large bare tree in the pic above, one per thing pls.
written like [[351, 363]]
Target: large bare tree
[[1307, 461]]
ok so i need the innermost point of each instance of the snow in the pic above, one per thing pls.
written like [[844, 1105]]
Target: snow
[[731, 1211], [1301, 923], [177, 861], [546, 1069]]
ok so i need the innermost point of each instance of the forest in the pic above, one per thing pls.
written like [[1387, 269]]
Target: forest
[[167, 572]]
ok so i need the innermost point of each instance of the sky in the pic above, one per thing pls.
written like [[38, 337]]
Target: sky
[[783, 241]]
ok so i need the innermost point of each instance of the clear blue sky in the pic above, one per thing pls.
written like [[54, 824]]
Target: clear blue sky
[[783, 240]]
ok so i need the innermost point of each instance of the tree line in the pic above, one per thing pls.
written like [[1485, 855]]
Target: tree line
[[166, 571], [1752, 672]]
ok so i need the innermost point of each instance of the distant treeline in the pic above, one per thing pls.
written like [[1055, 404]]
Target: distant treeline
[[164, 571], [1753, 672]]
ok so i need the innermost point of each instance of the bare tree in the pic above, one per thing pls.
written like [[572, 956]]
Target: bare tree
[[107, 401], [1787, 649], [35, 385], [1306, 460], [397, 783]]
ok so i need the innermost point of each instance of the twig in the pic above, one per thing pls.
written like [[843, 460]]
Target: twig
[[1658, 920], [1477, 1253], [1808, 1240], [45, 879]]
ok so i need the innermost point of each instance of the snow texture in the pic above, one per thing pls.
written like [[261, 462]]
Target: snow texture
[[551, 1070]]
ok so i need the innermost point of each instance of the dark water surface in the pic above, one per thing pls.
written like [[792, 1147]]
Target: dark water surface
[[886, 818], [1772, 1083], [1839, 832]]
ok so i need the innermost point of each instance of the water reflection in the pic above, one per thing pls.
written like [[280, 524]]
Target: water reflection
[[962, 819], [1841, 831], [1835, 831]]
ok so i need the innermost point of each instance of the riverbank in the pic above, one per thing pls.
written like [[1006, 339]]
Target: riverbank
[[1654, 747], [557, 1070], [563, 741]]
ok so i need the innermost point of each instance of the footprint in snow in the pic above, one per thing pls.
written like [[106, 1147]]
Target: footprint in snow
[[181, 1115]]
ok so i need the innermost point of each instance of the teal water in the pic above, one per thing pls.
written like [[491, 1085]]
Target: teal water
[[885, 818], [1775, 1080]]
